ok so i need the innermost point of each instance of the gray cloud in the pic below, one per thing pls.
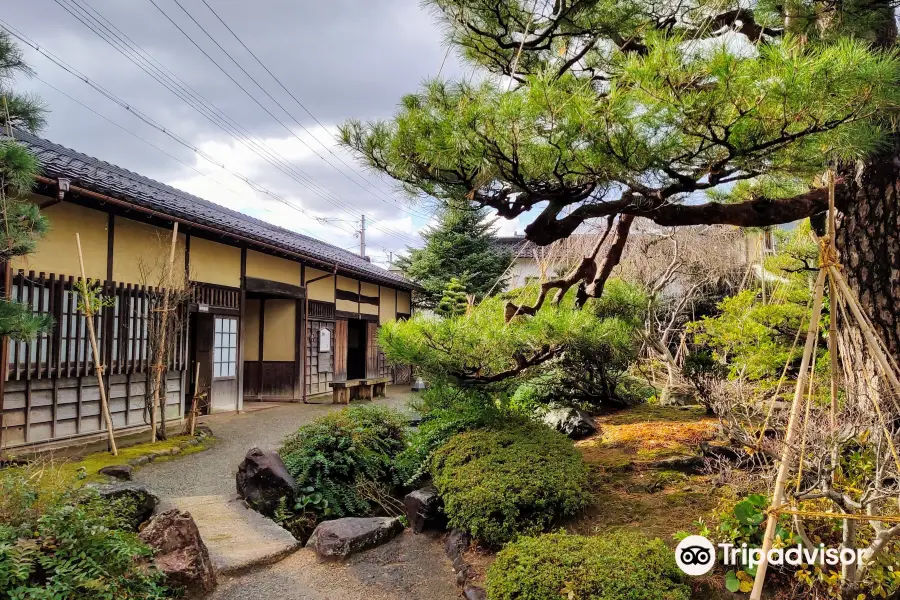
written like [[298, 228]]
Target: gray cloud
[[341, 59]]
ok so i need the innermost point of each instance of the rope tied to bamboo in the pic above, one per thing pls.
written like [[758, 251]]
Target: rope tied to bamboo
[[828, 254]]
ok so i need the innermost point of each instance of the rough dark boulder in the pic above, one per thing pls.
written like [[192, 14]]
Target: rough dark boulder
[[573, 422], [473, 592], [134, 501], [263, 480], [424, 510], [342, 537], [722, 452], [180, 552], [456, 543], [122, 472], [689, 465]]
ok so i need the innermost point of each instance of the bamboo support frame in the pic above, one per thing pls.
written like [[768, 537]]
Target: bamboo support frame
[[163, 329], [98, 365], [838, 289], [787, 452]]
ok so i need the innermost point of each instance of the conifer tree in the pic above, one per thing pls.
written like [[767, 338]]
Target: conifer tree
[[454, 302], [461, 246], [606, 110], [21, 223]]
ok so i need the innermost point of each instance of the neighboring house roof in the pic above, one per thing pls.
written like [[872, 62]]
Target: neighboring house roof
[[107, 179]]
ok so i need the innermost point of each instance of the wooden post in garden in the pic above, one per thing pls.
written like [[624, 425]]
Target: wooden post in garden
[[787, 451], [88, 306], [159, 363]]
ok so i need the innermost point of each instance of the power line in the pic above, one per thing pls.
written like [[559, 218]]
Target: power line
[[129, 49], [341, 203], [281, 85], [370, 189], [149, 121]]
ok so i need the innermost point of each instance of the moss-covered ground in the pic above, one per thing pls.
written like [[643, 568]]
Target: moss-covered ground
[[628, 492], [87, 468]]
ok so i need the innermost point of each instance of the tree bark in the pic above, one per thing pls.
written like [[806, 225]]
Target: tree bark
[[868, 242]]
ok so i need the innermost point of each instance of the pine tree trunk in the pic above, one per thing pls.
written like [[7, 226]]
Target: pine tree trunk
[[868, 241]]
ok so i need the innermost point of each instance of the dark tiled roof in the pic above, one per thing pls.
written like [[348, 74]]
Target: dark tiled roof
[[107, 179]]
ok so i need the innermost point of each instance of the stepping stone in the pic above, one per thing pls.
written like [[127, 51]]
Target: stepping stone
[[238, 538], [342, 537]]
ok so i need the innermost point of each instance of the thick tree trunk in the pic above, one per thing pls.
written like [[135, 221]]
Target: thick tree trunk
[[868, 241]]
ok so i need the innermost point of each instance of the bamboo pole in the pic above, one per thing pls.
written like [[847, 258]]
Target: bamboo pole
[[832, 297], [868, 333], [163, 329], [788, 451], [98, 366]]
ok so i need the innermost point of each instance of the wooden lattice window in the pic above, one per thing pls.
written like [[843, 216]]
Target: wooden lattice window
[[225, 348]]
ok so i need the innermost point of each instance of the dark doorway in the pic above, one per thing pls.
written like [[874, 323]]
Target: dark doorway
[[356, 349]]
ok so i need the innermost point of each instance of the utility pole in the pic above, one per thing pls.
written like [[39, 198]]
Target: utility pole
[[362, 237]]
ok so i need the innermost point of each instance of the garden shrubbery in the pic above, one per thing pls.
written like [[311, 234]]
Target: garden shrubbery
[[616, 566], [61, 541], [345, 460], [502, 482]]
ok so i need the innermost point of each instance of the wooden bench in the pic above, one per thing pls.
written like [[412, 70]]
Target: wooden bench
[[377, 386], [358, 389]]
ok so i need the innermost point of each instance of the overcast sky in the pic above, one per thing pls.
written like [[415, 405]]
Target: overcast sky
[[340, 58]]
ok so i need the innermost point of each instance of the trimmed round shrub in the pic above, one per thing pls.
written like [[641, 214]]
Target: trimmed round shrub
[[617, 566], [340, 459], [500, 483]]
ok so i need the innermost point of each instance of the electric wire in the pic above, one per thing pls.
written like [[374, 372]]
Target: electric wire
[[340, 203], [124, 45]]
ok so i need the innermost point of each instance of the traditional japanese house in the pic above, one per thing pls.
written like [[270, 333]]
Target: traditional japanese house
[[270, 314]]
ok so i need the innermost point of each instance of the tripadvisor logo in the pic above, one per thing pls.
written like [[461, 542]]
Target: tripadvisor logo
[[696, 555]]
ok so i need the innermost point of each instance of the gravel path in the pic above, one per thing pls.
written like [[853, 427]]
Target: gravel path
[[410, 567], [212, 472]]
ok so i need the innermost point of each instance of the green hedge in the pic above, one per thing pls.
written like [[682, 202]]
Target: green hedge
[[336, 457], [500, 483], [617, 566]]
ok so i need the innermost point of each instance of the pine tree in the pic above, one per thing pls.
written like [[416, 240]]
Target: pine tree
[[461, 246], [21, 223], [454, 302], [606, 110]]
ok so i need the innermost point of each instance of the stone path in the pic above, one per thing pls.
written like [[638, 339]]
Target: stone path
[[249, 550], [237, 537]]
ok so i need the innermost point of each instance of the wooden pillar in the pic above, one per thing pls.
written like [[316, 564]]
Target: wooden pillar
[[240, 345], [262, 337], [297, 393]]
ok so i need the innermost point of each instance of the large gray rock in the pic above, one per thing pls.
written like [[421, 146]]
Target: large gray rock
[[424, 510], [573, 422], [473, 592], [180, 552], [134, 501], [342, 537], [123, 472], [263, 480]]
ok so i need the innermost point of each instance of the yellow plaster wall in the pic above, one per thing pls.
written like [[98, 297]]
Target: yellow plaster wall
[[349, 285], [212, 262], [278, 336], [388, 304], [57, 251], [368, 289], [251, 330], [403, 302], [140, 246], [273, 268], [322, 290]]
